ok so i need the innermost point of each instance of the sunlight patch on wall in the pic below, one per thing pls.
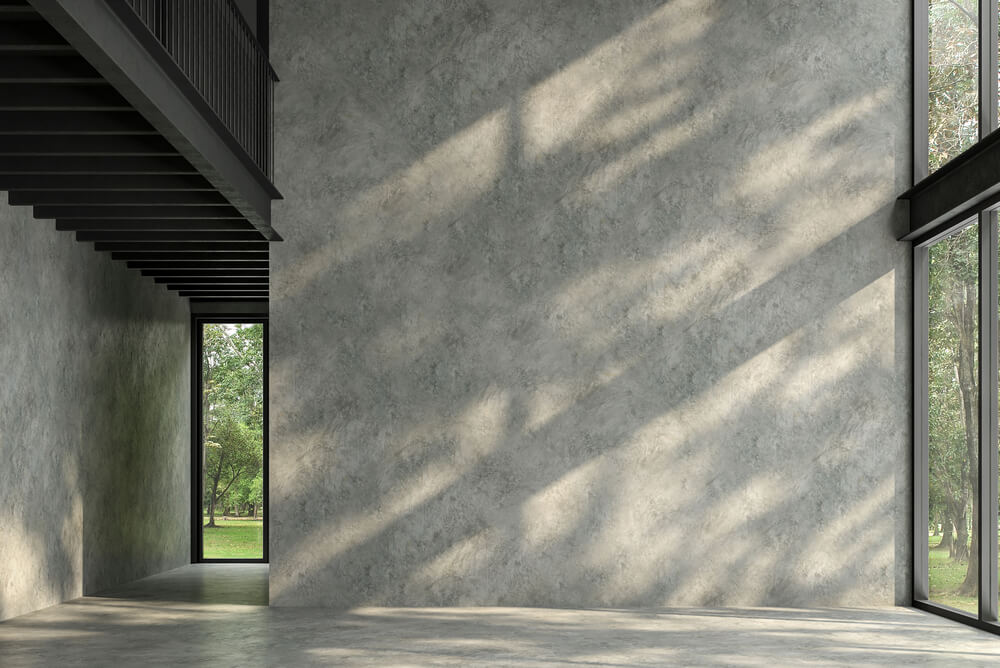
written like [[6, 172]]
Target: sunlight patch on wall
[[27, 584], [555, 112], [554, 512], [463, 558], [477, 430], [445, 180], [861, 335]]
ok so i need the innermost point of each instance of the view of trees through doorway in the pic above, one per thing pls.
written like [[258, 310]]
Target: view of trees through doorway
[[230, 498]]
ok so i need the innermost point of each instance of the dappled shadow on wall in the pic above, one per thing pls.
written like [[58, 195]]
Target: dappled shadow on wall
[[630, 337]]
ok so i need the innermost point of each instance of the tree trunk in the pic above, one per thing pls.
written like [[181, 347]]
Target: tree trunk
[[211, 506], [970, 586], [215, 493], [969, 388], [960, 546], [205, 406], [948, 533]]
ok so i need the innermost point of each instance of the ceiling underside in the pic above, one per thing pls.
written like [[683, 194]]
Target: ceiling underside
[[77, 152]]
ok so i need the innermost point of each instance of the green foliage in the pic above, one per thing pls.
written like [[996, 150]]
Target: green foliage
[[953, 120], [953, 394], [233, 410]]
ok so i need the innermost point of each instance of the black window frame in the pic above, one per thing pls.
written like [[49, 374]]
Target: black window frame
[[964, 191], [197, 434]]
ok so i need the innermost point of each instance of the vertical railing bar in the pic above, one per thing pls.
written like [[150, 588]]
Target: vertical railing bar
[[218, 53], [229, 83]]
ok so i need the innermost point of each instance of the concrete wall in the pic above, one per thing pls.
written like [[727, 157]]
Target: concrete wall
[[590, 303], [94, 419]]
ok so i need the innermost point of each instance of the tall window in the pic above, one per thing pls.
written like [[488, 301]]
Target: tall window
[[953, 78], [230, 495], [956, 363], [953, 420]]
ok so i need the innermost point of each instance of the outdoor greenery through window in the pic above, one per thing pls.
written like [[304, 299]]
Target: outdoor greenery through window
[[953, 78], [953, 420], [232, 453], [956, 322]]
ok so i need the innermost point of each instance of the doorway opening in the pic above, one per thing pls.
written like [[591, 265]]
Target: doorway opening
[[229, 434]]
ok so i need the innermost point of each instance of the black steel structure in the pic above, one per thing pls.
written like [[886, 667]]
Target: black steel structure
[[144, 127], [198, 320], [963, 192]]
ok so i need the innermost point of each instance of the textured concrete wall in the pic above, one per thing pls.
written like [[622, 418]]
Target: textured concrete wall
[[94, 419], [590, 303]]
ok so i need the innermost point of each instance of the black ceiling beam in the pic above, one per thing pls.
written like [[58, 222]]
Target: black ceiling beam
[[215, 280], [215, 247], [73, 122], [154, 224], [94, 164], [231, 287], [249, 302], [246, 258], [133, 212], [229, 267], [116, 182], [171, 275], [126, 145], [10, 9], [218, 294], [47, 68], [31, 36], [111, 37], [178, 236], [44, 96], [116, 197]]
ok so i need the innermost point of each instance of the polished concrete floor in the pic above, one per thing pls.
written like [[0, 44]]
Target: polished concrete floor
[[214, 615]]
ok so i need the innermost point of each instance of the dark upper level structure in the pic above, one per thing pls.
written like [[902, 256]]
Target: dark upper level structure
[[145, 127]]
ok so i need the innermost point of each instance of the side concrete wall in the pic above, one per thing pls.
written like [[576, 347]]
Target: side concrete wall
[[94, 419]]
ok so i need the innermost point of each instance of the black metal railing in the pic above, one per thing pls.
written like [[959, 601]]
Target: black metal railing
[[214, 47]]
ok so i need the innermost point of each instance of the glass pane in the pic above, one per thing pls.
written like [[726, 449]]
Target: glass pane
[[953, 77], [233, 441], [953, 420]]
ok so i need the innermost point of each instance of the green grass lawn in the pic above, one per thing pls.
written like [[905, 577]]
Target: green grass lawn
[[945, 578], [233, 539]]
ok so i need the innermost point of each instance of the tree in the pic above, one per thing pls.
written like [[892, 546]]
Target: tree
[[953, 114], [953, 126], [233, 409], [233, 454], [954, 394]]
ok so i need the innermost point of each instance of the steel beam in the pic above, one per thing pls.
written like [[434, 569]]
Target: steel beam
[[176, 236], [191, 256], [94, 164], [187, 225], [136, 212], [116, 197], [63, 122], [228, 248]]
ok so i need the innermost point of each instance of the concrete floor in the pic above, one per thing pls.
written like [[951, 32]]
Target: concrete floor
[[214, 615]]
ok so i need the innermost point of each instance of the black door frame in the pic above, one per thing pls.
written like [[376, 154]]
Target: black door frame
[[197, 320]]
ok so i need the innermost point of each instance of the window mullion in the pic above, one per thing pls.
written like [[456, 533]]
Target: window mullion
[[921, 275], [987, 67], [988, 415], [921, 94]]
